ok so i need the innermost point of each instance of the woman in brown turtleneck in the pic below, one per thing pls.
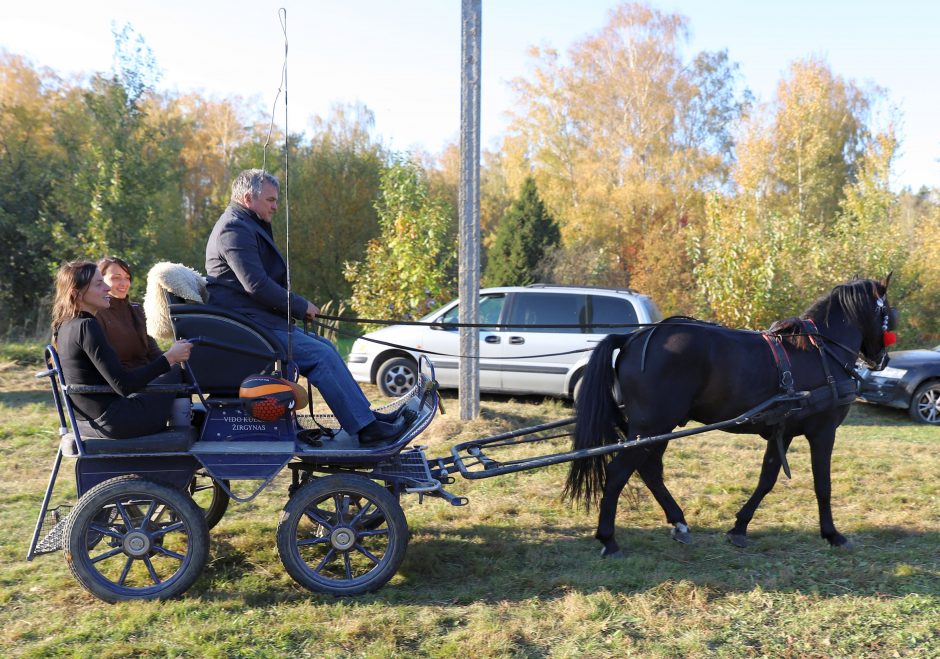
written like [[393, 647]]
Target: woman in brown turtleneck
[[124, 322]]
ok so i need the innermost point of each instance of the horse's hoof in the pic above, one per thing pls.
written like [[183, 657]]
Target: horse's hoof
[[613, 554], [681, 533], [846, 545], [737, 540]]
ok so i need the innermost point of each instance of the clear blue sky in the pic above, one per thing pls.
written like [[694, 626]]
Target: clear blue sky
[[402, 57]]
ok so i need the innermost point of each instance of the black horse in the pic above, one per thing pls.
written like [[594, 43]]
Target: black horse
[[682, 370]]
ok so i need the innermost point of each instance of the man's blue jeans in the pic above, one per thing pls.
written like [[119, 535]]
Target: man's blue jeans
[[318, 360]]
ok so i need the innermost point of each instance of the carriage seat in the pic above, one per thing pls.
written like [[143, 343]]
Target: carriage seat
[[174, 440], [239, 347], [176, 306]]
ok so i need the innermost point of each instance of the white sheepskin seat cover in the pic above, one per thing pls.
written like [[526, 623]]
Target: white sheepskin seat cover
[[179, 280]]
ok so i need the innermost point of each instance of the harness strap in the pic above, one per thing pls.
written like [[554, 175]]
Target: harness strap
[[809, 326], [785, 369], [781, 360]]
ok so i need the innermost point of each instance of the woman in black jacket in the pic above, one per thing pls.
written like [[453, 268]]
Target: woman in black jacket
[[87, 358]]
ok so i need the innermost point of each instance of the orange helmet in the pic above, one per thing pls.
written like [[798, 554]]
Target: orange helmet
[[266, 397]]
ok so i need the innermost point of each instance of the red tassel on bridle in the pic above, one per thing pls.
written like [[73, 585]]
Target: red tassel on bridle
[[890, 338]]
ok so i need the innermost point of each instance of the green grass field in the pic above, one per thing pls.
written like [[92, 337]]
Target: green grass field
[[517, 572]]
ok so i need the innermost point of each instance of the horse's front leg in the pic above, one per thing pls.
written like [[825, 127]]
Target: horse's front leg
[[769, 472], [618, 472], [820, 447], [651, 471]]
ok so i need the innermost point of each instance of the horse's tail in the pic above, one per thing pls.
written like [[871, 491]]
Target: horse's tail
[[596, 415]]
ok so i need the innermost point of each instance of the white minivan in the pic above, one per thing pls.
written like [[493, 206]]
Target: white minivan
[[512, 359]]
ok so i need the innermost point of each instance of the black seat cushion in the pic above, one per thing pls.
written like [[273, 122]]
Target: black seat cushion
[[218, 370], [176, 440]]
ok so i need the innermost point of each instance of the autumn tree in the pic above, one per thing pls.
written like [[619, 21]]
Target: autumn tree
[[30, 166], [334, 186], [409, 269], [797, 153], [626, 134], [523, 237]]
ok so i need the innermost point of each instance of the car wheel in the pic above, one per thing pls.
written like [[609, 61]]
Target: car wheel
[[925, 404], [397, 376]]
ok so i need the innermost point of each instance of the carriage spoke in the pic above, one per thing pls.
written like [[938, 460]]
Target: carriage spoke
[[166, 552], [342, 507], [318, 517], [313, 541], [153, 573], [347, 565], [163, 530], [330, 555], [107, 554], [368, 554], [105, 530], [122, 511], [126, 570], [373, 532], [362, 513], [149, 517]]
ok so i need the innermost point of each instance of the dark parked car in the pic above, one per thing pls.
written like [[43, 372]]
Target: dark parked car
[[911, 382]]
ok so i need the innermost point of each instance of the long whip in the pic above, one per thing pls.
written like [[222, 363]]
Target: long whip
[[282, 17]]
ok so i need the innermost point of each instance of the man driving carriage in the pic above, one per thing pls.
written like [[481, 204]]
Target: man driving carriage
[[245, 272]]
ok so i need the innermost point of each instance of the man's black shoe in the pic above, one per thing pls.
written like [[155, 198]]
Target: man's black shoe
[[381, 431], [388, 417]]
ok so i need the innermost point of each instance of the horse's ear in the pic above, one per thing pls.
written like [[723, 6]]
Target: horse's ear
[[887, 280], [854, 277]]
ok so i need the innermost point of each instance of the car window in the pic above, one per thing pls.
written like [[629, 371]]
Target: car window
[[491, 306], [548, 309], [606, 310]]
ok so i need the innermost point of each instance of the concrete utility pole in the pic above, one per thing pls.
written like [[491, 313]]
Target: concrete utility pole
[[469, 203]]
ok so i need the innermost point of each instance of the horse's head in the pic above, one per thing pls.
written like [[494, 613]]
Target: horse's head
[[864, 305], [878, 326]]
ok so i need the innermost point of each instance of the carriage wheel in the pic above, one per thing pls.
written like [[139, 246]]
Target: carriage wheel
[[129, 538], [210, 496], [343, 535]]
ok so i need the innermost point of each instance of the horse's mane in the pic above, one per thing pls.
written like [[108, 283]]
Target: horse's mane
[[856, 299]]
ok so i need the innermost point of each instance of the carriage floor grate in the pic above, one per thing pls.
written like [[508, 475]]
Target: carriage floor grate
[[411, 465], [53, 526]]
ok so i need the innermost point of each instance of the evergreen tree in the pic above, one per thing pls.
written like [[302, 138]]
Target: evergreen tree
[[524, 235]]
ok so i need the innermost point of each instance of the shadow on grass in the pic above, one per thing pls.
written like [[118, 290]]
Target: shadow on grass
[[495, 564], [485, 564], [865, 414]]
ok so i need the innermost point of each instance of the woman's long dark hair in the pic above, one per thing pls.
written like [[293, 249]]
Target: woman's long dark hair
[[71, 282]]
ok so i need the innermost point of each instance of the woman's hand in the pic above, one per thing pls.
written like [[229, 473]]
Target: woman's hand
[[178, 352]]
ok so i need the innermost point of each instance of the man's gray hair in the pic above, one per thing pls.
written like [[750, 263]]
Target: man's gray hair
[[249, 181]]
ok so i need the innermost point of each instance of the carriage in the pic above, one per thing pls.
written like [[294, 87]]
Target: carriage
[[137, 532]]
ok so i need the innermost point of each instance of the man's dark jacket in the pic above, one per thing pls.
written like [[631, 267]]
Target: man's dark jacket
[[245, 272]]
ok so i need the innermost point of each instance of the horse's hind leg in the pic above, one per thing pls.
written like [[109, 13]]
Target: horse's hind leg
[[651, 472], [618, 472], [769, 472]]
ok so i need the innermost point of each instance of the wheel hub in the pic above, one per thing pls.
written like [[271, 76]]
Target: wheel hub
[[343, 538], [136, 544]]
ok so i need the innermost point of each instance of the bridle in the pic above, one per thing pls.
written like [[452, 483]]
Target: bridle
[[888, 317]]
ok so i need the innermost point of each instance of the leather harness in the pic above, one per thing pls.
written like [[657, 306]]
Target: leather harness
[[822, 398]]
